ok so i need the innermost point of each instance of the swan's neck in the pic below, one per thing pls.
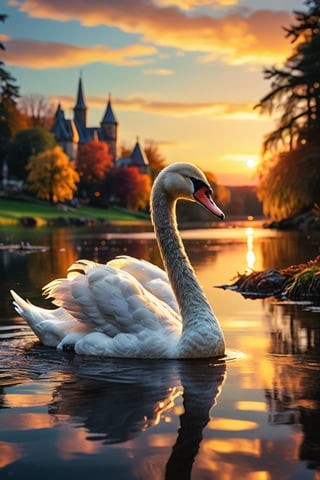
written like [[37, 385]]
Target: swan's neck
[[195, 309]]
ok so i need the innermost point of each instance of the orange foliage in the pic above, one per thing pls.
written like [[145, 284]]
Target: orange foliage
[[129, 187], [52, 176], [94, 161]]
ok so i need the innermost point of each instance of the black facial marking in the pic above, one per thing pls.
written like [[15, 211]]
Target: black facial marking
[[197, 183]]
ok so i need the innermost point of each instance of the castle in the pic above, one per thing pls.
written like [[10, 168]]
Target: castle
[[71, 133]]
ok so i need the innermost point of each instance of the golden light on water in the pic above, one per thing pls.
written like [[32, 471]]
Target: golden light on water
[[251, 406], [232, 424], [9, 453], [239, 445], [251, 258], [27, 421], [74, 441]]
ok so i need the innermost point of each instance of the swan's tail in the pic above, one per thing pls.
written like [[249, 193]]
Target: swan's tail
[[50, 326]]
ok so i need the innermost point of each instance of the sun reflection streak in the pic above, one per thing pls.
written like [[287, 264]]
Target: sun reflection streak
[[251, 258]]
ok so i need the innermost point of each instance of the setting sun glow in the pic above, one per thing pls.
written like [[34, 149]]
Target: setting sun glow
[[251, 163]]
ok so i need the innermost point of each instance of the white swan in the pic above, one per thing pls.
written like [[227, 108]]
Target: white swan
[[131, 308]]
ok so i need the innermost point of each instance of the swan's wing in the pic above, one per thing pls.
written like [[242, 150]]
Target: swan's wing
[[150, 276], [142, 270], [111, 301]]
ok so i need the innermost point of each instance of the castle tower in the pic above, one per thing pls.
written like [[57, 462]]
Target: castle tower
[[65, 133], [80, 109], [109, 127], [139, 159]]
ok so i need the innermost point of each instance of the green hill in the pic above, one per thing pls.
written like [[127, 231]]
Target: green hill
[[13, 212]]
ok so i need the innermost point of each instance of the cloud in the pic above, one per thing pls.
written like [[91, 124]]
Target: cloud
[[158, 71], [36, 54], [220, 110], [193, 4], [242, 37]]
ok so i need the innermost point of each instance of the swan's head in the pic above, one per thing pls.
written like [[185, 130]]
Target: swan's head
[[188, 182]]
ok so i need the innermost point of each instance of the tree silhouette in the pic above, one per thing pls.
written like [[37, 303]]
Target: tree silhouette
[[295, 100], [11, 120]]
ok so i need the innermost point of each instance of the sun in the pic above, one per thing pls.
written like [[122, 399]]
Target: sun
[[251, 163]]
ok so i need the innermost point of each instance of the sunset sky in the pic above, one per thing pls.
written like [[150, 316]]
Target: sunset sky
[[183, 73]]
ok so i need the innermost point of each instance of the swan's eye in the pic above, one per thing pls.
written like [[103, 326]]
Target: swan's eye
[[199, 184]]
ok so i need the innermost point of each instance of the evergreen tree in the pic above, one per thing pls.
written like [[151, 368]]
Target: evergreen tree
[[295, 100], [25, 143], [11, 120]]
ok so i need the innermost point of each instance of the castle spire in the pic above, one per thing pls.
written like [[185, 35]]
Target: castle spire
[[109, 116], [108, 127], [80, 109]]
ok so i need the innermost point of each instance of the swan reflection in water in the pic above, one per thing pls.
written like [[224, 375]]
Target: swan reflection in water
[[122, 398]]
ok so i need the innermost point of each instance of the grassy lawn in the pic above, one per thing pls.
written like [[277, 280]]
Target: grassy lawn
[[12, 211]]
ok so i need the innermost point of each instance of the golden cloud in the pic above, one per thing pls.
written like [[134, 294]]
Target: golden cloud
[[237, 38], [158, 71], [36, 54], [192, 4], [237, 111]]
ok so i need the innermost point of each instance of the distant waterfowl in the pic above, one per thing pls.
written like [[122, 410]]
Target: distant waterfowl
[[130, 308]]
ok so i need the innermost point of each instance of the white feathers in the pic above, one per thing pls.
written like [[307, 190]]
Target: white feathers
[[107, 311]]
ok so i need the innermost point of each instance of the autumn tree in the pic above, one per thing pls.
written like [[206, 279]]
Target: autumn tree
[[155, 158], [93, 162], [127, 187], [291, 183], [25, 143], [52, 176], [295, 100]]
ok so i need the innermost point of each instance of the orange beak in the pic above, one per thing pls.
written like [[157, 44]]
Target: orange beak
[[202, 195]]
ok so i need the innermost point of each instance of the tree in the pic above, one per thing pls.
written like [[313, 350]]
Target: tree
[[292, 183], [129, 188], [11, 120], [52, 176], [295, 99], [30, 141], [295, 88], [155, 158], [38, 109], [8, 87], [93, 163]]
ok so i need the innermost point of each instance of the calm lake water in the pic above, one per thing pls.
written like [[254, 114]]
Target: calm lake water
[[255, 417]]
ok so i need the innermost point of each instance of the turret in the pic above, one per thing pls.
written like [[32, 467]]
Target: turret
[[80, 109], [109, 127]]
